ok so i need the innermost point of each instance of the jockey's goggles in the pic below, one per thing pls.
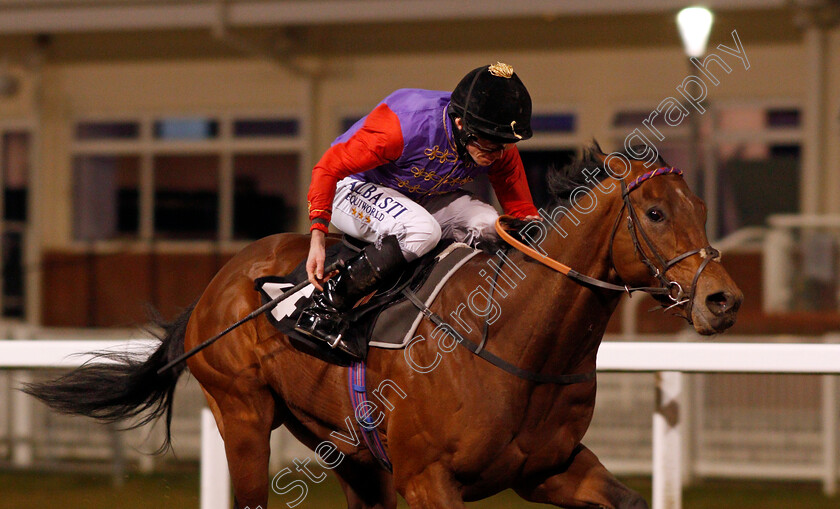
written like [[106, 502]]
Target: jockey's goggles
[[486, 146]]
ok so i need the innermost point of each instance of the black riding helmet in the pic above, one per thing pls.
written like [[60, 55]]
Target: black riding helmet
[[493, 104]]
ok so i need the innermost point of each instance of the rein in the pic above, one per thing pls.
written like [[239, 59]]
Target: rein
[[667, 287], [568, 271]]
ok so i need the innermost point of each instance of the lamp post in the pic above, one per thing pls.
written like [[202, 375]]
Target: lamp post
[[695, 24]]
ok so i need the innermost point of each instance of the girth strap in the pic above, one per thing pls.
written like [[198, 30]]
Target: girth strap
[[531, 376], [367, 428]]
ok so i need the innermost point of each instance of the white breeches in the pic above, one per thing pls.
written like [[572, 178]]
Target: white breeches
[[369, 212]]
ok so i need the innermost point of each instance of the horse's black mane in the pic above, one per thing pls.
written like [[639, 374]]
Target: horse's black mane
[[561, 182]]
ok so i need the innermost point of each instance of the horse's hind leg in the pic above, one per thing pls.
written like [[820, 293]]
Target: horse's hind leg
[[584, 483], [246, 420]]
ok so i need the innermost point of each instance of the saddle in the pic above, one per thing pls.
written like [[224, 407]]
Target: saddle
[[385, 319]]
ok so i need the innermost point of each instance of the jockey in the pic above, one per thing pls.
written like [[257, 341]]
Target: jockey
[[394, 179]]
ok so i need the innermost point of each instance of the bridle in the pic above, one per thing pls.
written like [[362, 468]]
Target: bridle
[[658, 266], [662, 266]]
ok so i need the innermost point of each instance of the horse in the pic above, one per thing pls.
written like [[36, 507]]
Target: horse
[[460, 429]]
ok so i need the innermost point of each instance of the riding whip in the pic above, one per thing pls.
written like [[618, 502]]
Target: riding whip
[[255, 313]]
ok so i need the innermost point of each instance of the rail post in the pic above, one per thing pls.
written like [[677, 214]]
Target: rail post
[[829, 427], [21, 410], [215, 479], [778, 247], [667, 442]]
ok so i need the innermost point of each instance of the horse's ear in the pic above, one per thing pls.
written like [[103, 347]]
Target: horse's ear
[[595, 152]]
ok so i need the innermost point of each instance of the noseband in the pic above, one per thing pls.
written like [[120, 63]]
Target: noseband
[[658, 267]]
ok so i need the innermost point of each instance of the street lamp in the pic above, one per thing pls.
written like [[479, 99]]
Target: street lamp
[[695, 23]]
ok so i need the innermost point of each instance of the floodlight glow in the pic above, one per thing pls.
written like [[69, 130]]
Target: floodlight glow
[[695, 23]]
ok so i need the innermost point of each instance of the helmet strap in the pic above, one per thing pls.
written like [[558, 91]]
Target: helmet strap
[[461, 136]]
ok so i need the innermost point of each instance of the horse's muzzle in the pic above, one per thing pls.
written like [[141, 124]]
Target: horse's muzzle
[[717, 312]]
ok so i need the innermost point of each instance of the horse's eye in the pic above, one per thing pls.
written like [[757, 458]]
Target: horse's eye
[[655, 215]]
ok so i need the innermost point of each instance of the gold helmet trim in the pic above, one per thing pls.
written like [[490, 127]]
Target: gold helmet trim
[[501, 70]]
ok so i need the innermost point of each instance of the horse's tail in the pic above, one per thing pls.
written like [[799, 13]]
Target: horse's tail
[[124, 387]]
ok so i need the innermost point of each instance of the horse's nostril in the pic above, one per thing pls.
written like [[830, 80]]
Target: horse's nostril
[[721, 303]]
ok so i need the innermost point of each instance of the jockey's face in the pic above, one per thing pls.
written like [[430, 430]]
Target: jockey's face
[[483, 152]]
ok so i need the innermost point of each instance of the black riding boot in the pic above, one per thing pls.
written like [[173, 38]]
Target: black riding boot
[[361, 275]]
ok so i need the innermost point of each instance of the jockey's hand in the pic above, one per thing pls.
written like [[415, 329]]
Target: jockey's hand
[[532, 218], [315, 262]]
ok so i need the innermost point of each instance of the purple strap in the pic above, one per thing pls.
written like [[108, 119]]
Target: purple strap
[[358, 396], [653, 173]]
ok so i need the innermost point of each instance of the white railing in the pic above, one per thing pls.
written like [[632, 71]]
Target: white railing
[[781, 247], [668, 359], [66, 353]]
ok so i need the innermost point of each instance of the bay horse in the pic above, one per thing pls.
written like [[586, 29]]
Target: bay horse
[[464, 430]]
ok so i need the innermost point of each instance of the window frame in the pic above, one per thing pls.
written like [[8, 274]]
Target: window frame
[[224, 145]]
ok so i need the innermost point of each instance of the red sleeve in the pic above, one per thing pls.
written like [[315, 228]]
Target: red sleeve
[[378, 141], [511, 186]]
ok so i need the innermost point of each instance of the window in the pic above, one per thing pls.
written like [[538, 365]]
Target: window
[[13, 274], [15, 148], [15, 175], [266, 127], [553, 123], [348, 122], [106, 197], [757, 158], [264, 194], [537, 165], [211, 177], [186, 196], [553, 146], [186, 129], [783, 117], [116, 130]]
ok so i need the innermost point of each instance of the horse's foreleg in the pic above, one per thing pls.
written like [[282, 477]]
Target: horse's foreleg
[[433, 488], [583, 483], [366, 486]]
